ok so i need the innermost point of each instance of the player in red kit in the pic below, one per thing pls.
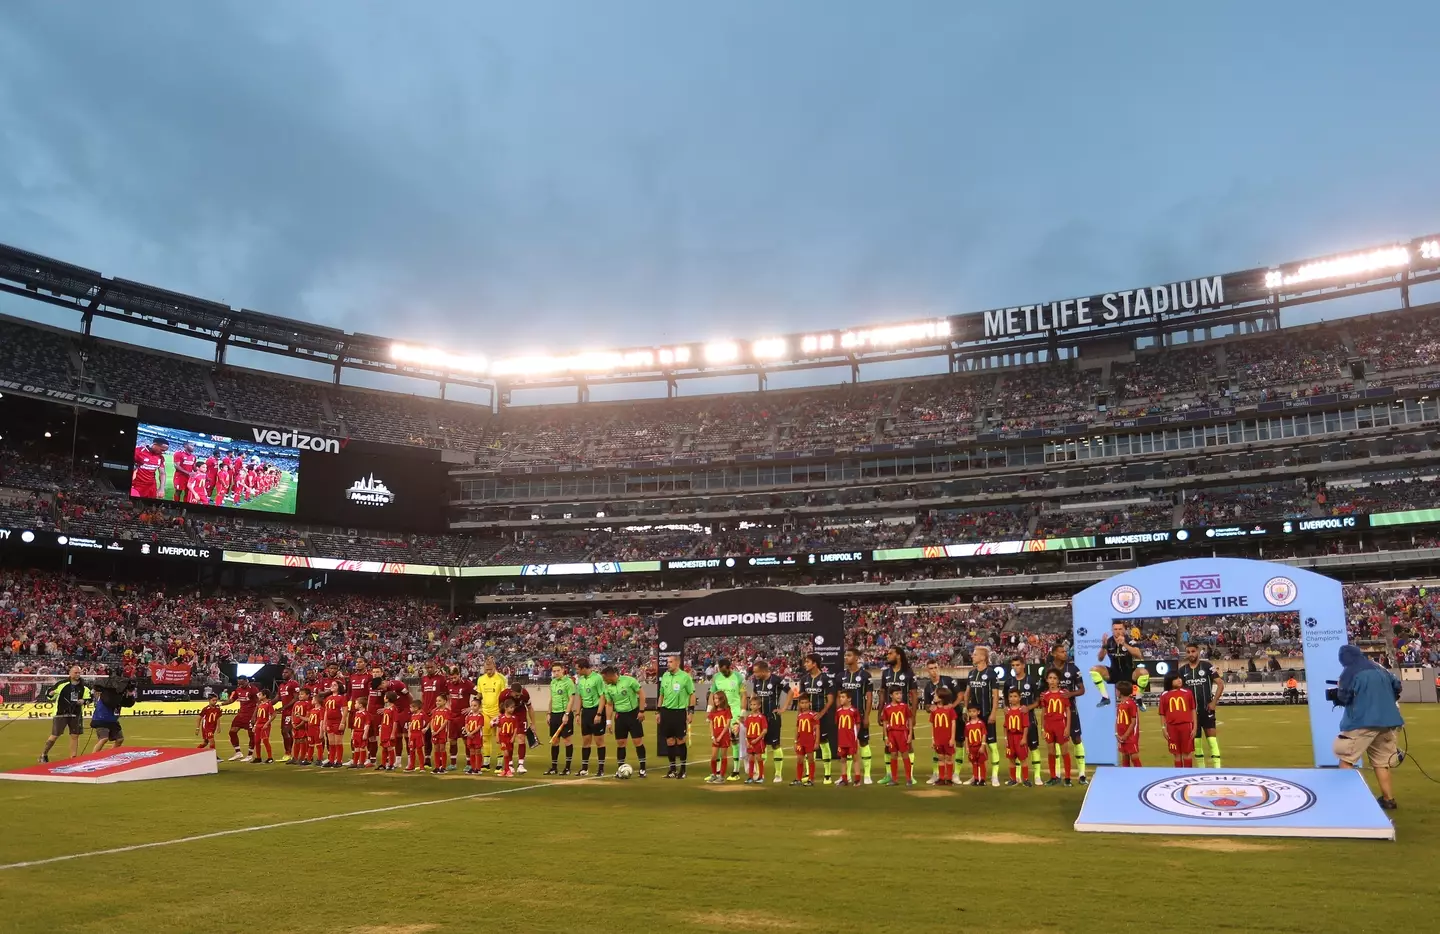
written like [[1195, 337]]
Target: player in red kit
[[1177, 711], [360, 727], [977, 735], [148, 478], [220, 481], [375, 701], [299, 717], [899, 723], [287, 691], [461, 690], [402, 710], [517, 692], [439, 727], [205, 726], [195, 487], [334, 722], [1055, 724], [430, 684], [1017, 740], [184, 463], [247, 696], [942, 735], [260, 735], [807, 734], [473, 729], [387, 728], [847, 738], [1127, 725], [507, 728], [756, 725], [720, 719], [415, 726], [357, 685]]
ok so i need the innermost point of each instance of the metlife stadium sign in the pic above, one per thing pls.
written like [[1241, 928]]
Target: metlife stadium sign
[[1109, 308]]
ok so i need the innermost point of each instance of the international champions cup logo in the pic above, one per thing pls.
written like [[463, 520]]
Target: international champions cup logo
[[1280, 591], [1125, 599], [109, 762], [1227, 797]]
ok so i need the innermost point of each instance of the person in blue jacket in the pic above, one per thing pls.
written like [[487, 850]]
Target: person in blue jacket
[[1370, 696]]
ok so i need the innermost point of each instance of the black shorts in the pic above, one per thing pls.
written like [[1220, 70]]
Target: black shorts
[[990, 733], [591, 723], [628, 725], [1204, 720], [108, 731], [561, 727], [1032, 733], [772, 730], [672, 724], [863, 735], [74, 723], [1075, 734]]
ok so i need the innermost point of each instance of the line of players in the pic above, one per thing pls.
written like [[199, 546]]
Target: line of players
[[834, 719], [220, 476], [491, 716]]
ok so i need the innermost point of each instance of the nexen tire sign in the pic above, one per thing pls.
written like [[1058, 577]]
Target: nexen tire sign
[[297, 439]]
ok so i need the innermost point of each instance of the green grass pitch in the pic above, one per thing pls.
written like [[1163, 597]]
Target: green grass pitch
[[531, 854], [280, 500]]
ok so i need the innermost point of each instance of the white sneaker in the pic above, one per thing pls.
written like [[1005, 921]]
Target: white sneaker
[[932, 779], [249, 758], [235, 758], [521, 769], [777, 779], [869, 780], [995, 781]]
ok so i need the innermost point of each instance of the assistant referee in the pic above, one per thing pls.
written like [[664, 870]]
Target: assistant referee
[[677, 703]]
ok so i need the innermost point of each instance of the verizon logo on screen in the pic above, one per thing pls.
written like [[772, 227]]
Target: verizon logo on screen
[[296, 439]]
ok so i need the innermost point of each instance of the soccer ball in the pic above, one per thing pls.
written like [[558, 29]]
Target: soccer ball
[[624, 771]]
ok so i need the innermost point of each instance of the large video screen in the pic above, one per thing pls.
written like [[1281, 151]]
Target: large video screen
[[373, 492], [202, 469]]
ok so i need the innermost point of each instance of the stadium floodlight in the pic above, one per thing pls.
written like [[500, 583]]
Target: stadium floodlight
[[674, 356], [717, 352], [596, 361], [817, 343], [920, 332], [437, 359], [770, 348], [1356, 264]]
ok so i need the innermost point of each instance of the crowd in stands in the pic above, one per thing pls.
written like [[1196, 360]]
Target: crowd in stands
[[1289, 363], [48, 621]]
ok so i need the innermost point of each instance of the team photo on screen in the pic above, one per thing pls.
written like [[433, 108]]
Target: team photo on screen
[[201, 469]]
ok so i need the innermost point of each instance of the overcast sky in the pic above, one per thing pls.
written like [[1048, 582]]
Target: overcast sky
[[505, 177]]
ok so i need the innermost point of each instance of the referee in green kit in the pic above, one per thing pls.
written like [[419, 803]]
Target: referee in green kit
[[677, 701]]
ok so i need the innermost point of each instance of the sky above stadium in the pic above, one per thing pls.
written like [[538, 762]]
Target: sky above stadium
[[505, 177]]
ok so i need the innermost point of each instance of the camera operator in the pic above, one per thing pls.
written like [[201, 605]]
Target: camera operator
[[69, 697], [111, 694], [1370, 696]]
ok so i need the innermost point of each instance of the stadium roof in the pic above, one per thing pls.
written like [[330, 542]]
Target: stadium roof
[[968, 340]]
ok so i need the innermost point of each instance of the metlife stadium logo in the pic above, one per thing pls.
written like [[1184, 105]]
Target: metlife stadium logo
[[369, 491]]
